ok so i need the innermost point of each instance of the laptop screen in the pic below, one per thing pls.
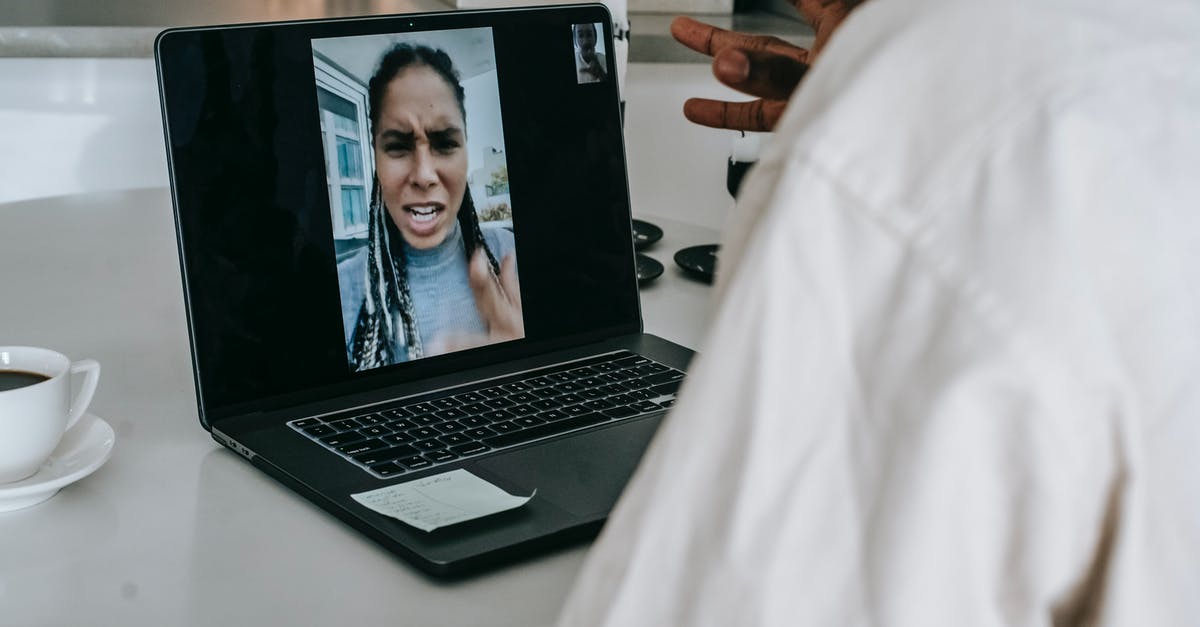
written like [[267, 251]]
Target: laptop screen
[[376, 200]]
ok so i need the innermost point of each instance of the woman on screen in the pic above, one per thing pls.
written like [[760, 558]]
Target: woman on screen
[[435, 281]]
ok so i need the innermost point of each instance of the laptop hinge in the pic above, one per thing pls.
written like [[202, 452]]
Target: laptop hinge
[[238, 447]]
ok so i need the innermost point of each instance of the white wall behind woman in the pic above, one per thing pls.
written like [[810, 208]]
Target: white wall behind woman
[[484, 129]]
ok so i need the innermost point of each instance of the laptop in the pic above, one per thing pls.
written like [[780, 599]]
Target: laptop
[[406, 250]]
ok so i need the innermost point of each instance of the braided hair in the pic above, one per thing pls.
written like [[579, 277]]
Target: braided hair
[[387, 273]]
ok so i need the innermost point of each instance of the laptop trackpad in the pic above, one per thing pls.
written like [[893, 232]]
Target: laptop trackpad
[[583, 474]]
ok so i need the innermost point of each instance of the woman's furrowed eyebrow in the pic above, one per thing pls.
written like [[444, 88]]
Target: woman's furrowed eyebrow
[[452, 133], [394, 135]]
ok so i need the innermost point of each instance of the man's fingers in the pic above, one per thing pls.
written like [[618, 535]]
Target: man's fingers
[[824, 16], [758, 73], [710, 40], [756, 115]]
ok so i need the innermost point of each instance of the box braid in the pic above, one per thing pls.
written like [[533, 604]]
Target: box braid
[[387, 273]]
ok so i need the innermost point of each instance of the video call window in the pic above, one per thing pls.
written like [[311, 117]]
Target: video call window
[[590, 63], [418, 193]]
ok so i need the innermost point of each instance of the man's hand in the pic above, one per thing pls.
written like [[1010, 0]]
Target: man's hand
[[594, 69], [766, 67]]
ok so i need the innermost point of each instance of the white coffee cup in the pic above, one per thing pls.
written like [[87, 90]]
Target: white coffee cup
[[35, 414]]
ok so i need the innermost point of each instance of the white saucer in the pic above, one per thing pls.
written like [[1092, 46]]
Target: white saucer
[[82, 450]]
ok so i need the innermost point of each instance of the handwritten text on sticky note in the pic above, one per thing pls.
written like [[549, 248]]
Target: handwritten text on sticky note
[[440, 500]]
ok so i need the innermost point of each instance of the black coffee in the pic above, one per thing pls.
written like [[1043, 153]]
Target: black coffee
[[13, 379]]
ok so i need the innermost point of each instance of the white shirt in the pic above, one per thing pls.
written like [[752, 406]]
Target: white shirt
[[952, 378]]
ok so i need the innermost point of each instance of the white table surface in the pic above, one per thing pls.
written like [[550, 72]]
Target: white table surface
[[175, 530]]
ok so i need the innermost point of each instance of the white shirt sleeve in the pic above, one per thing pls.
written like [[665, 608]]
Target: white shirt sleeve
[[863, 440]]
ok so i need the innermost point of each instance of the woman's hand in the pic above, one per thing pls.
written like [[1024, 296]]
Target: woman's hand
[[497, 298], [763, 66]]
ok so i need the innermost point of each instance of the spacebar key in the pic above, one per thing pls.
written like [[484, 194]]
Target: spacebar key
[[548, 429]]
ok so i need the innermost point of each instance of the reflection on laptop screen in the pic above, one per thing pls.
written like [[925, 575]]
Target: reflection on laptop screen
[[413, 140]]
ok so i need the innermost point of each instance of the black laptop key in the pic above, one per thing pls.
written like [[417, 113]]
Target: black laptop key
[[645, 406], [476, 408], [424, 433], [505, 427], [614, 388], [454, 438], [479, 433], [515, 387], [636, 383], [499, 403], [370, 419], [339, 439], [546, 392], [450, 426], [523, 397], [664, 377], [497, 414], [398, 438], [470, 397], [546, 403], [450, 414], [592, 395], [569, 386], [620, 412], [540, 382], [438, 457], [307, 422], [492, 392], [396, 412], [666, 389], [425, 420], [545, 430], [388, 469], [362, 447], [374, 431], [575, 410], [447, 403], [470, 449], [371, 458], [400, 425], [319, 431], [415, 462], [570, 399], [345, 425], [428, 445], [523, 410], [598, 404], [420, 408], [474, 421], [529, 421], [552, 415]]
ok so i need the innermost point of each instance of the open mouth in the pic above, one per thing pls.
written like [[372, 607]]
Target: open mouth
[[422, 214], [423, 219]]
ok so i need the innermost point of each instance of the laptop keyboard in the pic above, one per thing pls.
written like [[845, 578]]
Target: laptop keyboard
[[466, 422]]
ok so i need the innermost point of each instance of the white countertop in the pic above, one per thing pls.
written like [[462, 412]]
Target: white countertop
[[175, 530]]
